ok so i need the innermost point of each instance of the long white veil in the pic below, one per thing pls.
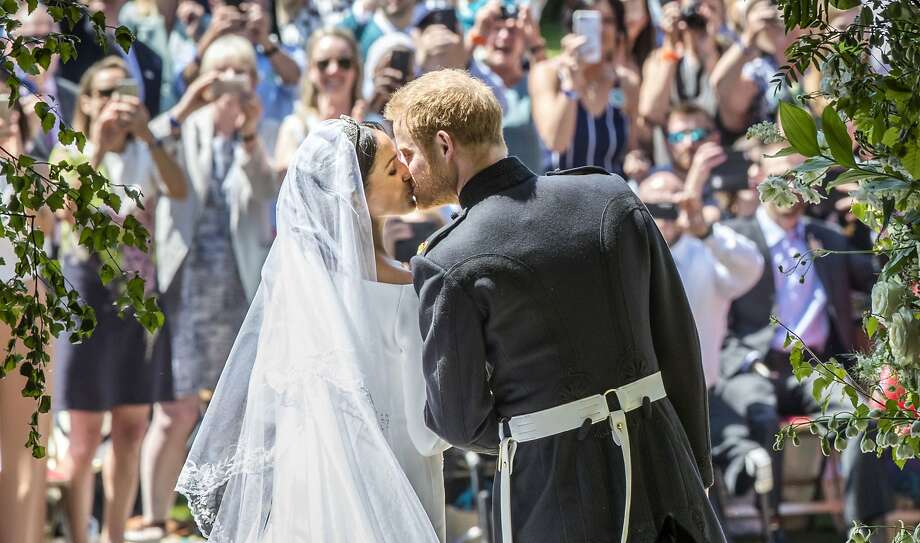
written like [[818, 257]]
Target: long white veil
[[290, 449]]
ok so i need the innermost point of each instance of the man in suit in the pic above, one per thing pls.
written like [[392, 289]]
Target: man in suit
[[546, 291], [145, 65], [813, 298]]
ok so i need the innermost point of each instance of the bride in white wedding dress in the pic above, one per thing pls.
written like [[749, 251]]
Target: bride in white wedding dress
[[315, 432]]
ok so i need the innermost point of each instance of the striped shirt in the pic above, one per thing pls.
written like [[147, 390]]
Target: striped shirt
[[599, 141]]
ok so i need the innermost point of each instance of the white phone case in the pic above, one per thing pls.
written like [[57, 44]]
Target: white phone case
[[587, 23]]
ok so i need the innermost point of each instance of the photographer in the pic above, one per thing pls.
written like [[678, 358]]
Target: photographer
[[390, 65], [582, 109], [278, 73], [212, 247], [390, 16], [509, 47], [743, 74], [109, 372], [680, 69]]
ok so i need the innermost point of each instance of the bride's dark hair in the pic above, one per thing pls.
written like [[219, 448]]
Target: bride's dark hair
[[365, 142]]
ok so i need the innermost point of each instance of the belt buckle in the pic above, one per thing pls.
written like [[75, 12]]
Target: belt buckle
[[615, 406]]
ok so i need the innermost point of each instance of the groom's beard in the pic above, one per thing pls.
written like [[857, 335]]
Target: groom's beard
[[438, 186]]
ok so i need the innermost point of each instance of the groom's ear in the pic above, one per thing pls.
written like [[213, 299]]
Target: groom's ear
[[445, 144]]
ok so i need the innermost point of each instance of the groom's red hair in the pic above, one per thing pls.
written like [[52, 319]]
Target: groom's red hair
[[452, 101]]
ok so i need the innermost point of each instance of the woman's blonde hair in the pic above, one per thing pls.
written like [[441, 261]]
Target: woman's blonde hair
[[82, 121], [307, 103], [233, 48]]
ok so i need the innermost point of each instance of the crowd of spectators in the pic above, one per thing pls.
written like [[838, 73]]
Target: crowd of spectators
[[206, 110]]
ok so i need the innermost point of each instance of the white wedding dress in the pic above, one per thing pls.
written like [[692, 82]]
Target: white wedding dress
[[401, 416], [315, 432]]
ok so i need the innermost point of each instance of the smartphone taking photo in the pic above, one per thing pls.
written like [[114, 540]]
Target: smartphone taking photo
[[587, 23], [401, 60], [731, 175], [127, 87], [235, 84]]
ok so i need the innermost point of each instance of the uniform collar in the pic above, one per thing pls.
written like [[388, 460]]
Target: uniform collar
[[500, 176]]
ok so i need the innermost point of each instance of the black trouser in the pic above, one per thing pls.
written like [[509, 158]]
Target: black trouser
[[749, 407]]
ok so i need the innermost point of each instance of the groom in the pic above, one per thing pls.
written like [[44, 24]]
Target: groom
[[556, 334]]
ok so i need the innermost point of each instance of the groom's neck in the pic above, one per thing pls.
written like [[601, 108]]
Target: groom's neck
[[476, 162]]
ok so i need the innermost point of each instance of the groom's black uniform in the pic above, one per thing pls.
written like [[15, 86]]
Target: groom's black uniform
[[545, 290]]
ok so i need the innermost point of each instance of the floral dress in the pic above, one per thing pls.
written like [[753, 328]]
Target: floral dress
[[206, 306]]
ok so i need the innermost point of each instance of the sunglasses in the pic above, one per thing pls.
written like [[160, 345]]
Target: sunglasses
[[344, 63], [696, 135]]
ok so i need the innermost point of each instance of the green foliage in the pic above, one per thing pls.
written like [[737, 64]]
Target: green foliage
[[40, 189], [869, 134]]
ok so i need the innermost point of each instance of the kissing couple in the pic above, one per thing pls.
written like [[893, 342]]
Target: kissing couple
[[546, 324]]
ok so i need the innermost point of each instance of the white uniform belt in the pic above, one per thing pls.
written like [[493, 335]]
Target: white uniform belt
[[570, 416]]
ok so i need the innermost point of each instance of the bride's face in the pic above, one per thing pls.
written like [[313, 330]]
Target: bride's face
[[388, 188]]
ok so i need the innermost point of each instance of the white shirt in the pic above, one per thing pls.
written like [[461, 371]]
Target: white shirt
[[801, 301], [715, 271]]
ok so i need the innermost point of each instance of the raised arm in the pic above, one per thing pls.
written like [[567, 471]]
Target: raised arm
[[554, 86]]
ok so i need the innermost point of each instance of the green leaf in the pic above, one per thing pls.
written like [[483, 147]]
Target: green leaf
[[835, 132], [124, 38], [48, 122], [98, 19], [801, 369], [851, 393], [871, 326], [818, 387], [44, 405], [844, 4], [42, 57], [911, 160], [106, 274], [135, 288], [785, 151], [799, 128]]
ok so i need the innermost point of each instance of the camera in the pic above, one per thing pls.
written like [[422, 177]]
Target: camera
[[691, 15]]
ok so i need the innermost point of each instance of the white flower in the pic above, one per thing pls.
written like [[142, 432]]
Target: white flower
[[904, 338], [776, 190], [886, 298]]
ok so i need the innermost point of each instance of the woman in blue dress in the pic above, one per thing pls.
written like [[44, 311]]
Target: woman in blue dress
[[582, 111]]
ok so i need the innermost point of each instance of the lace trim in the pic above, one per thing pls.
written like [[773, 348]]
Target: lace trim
[[204, 484]]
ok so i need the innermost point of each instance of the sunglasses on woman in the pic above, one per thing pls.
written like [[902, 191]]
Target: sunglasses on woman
[[343, 63], [696, 135]]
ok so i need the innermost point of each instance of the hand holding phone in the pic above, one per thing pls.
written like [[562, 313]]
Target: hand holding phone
[[127, 87], [235, 84], [587, 24], [401, 60]]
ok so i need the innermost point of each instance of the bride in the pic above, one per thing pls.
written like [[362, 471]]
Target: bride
[[316, 431]]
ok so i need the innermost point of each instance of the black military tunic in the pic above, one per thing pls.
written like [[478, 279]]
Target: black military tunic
[[545, 290]]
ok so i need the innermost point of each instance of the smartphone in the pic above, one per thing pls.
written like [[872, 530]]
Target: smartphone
[[665, 211], [509, 9], [441, 16], [400, 60], [731, 175], [237, 84], [587, 23], [127, 87]]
